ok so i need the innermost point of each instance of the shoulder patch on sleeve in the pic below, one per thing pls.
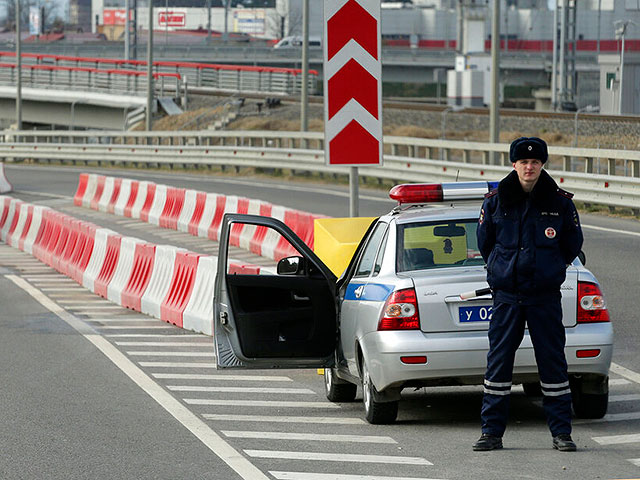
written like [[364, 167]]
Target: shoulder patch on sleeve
[[492, 193], [564, 193]]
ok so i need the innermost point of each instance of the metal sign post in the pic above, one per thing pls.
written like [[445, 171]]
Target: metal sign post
[[353, 87]]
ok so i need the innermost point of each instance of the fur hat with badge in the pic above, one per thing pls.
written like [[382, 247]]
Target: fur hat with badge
[[528, 148]]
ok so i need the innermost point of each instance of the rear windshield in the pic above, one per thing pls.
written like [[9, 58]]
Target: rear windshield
[[436, 245]]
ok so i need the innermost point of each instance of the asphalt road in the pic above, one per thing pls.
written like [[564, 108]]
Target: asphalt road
[[146, 402]]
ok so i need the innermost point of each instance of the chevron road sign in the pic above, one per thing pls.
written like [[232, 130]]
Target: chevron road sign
[[353, 82]]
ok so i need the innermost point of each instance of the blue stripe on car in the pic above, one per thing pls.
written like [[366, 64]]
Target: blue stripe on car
[[373, 292]]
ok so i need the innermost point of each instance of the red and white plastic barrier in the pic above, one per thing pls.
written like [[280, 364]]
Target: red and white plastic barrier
[[5, 184], [198, 213]]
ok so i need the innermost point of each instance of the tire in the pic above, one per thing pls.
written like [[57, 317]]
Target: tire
[[532, 389], [375, 412], [338, 392], [590, 405]]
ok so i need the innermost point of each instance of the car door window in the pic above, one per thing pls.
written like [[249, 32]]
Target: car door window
[[378, 265], [366, 264]]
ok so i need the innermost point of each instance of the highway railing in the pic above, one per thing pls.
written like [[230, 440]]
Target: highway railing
[[598, 176], [220, 77]]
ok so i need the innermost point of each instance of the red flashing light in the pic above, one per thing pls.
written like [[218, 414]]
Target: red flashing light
[[588, 353], [417, 193], [400, 311], [591, 304]]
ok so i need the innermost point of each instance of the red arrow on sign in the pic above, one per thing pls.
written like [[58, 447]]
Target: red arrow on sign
[[354, 145], [353, 81], [341, 28]]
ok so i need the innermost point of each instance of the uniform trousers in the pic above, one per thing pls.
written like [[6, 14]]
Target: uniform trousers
[[547, 333]]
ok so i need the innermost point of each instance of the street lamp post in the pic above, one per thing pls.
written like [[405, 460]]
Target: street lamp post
[[149, 120], [621, 31], [588, 109], [18, 69], [443, 122], [494, 112]]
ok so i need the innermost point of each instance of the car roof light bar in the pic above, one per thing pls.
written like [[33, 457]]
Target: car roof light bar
[[440, 192]]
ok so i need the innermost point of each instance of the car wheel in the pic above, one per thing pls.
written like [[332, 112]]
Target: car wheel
[[336, 390], [588, 405], [376, 412], [532, 389]]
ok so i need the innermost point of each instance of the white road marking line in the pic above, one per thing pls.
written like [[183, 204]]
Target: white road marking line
[[89, 302], [610, 417], [189, 388], [70, 287], [188, 419], [153, 335], [196, 376], [170, 354], [619, 381], [89, 308], [338, 457], [141, 318], [178, 365], [165, 344], [284, 419], [133, 327], [611, 230], [625, 372], [334, 476], [624, 398], [260, 403], [617, 439], [309, 437], [48, 276], [635, 461]]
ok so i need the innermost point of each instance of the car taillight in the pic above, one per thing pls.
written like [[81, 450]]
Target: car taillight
[[400, 311], [591, 305]]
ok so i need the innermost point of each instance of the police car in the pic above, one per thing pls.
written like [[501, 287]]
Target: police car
[[412, 309]]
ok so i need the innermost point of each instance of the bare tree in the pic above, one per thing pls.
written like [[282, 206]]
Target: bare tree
[[277, 22], [9, 6]]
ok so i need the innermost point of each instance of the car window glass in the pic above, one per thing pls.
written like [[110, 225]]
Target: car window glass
[[365, 266], [378, 265], [436, 245]]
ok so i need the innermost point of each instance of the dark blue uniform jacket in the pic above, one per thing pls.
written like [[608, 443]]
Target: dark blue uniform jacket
[[528, 240]]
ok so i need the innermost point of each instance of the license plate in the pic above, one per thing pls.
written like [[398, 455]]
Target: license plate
[[477, 313]]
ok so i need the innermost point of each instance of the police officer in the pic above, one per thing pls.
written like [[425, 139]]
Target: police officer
[[528, 233]]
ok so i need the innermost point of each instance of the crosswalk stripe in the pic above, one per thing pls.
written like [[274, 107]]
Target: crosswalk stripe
[[123, 319], [618, 381], [66, 289], [195, 376], [196, 388], [338, 457], [610, 417], [334, 476], [165, 344], [625, 372], [284, 419], [134, 327], [178, 365], [170, 354], [309, 437], [260, 403], [617, 439], [73, 304], [152, 335], [624, 398], [635, 461]]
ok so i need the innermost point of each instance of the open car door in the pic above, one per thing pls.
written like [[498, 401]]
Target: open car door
[[281, 313]]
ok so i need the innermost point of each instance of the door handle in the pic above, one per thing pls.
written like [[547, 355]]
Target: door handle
[[359, 291], [300, 298]]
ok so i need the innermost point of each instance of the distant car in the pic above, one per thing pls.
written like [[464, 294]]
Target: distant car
[[296, 42], [398, 316]]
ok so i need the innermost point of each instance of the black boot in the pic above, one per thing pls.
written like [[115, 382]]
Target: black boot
[[564, 443], [487, 442]]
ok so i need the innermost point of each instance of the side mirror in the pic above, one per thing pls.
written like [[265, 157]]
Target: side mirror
[[582, 257], [290, 266]]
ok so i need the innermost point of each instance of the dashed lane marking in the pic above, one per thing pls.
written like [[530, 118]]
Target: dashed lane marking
[[309, 437], [617, 439], [188, 419], [284, 419], [338, 457], [196, 388], [611, 230], [260, 403]]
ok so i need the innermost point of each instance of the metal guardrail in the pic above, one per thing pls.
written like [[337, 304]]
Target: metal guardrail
[[608, 177], [54, 70]]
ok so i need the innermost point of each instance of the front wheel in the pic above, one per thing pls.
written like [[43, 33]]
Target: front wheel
[[337, 390], [376, 412]]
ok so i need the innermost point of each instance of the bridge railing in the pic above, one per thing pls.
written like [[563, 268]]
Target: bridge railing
[[222, 77], [602, 176]]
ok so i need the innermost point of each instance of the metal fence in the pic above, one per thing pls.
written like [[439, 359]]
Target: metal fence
[[616, 181]]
